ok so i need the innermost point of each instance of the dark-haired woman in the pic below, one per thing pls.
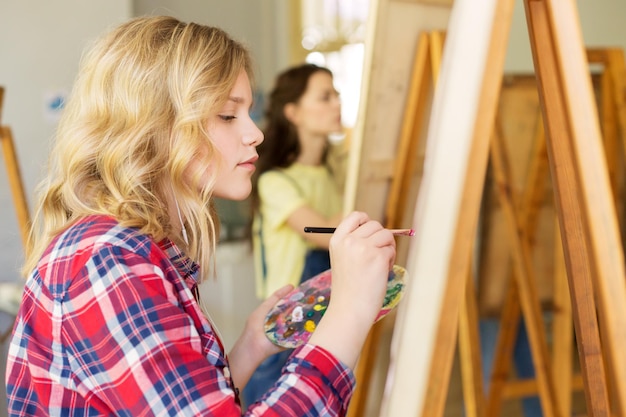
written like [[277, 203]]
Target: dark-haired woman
[[293, 188]]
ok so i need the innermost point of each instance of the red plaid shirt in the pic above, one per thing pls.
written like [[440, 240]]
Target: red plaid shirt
[[108, 326]]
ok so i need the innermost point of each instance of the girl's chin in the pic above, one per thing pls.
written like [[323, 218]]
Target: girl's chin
[[233, 195]]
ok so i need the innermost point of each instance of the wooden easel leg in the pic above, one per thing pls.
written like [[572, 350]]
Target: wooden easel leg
[[609, 128], [611, 95], [587, 218], [617, 68], [437, 40], [363, 372], [421, 78], [562, 331], [469, 353], [532, 200], [15, 181], [613, 117], [525, 281], [509, 319]]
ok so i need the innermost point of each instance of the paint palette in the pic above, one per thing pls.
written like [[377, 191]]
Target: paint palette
[[294, 318]]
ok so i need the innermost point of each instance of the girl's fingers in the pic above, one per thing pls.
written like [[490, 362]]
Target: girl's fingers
[[367, 229], [281, 292], [360, 225], [351, 222], [276, 296]]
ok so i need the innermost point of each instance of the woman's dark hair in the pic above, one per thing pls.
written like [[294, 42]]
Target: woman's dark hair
[[281, 146]]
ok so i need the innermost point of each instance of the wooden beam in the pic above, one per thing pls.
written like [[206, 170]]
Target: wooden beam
[[593, 252], [15, 182], [524, 275]]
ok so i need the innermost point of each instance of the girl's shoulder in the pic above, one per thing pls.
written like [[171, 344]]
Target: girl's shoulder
[[92, 232]]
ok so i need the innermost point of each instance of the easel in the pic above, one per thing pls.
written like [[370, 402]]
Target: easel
[[585, 208], [428, 56], [611, 93], [592, 247], [426, 70], [15, 179], [525, 220]]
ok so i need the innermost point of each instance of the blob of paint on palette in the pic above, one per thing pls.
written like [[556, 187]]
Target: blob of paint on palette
[[294, 318]]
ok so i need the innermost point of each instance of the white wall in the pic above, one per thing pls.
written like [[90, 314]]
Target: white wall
[[40, 46], [602, 23], [260, 24]]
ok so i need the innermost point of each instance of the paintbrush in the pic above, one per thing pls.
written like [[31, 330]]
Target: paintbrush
[[397, 232]]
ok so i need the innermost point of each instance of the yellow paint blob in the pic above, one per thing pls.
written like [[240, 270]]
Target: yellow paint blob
[[309, 326]]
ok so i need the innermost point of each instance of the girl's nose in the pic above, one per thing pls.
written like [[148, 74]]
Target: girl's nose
[[254, 137]]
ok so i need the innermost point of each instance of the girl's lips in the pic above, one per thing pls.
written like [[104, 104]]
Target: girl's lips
[[251, 160], [248, 166], [249, 163]]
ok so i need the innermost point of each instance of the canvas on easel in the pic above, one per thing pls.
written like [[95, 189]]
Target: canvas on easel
[[373, 156], [447, 208]]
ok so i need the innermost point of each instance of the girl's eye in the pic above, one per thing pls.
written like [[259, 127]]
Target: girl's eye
[[227, 118], [329, 96]]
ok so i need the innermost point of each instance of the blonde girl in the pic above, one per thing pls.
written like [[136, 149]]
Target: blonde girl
[[158, 125]]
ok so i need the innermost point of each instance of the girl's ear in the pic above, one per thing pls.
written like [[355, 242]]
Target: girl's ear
[[290, 111]]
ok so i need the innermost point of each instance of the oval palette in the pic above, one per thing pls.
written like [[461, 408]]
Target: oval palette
[[294, 318]]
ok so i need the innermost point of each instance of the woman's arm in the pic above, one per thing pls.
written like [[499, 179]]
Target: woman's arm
[[284, 203], [306, 216]]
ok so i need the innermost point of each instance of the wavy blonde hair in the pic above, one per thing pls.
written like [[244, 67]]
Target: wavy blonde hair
[[136, 116]]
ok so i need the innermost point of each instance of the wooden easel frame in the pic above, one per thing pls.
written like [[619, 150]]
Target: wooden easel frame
[[15, 178], [592, 248], [613, 127], [522, 292]]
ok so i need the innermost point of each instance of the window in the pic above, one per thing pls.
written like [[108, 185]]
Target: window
[[333, 35]]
